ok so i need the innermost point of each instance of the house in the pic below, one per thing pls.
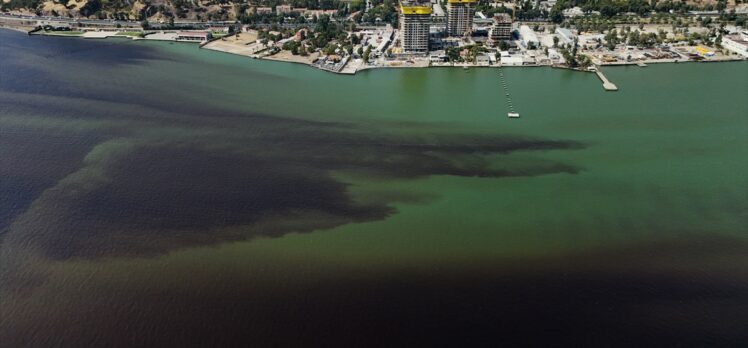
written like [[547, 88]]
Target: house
[[565, 35], [283, 9], [263, 10]]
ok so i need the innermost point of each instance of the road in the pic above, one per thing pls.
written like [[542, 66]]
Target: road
[[109, 22]]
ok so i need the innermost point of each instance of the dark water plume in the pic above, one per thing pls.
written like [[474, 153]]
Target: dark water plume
[[623, 297], [161, 180], [158, 195]]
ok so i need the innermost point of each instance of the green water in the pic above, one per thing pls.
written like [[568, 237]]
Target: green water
[[666, 155], [643, 220]]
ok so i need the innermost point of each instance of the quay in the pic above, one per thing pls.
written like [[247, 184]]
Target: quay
[[607, 85]]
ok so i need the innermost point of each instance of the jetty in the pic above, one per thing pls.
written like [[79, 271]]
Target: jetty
[[607, 85]]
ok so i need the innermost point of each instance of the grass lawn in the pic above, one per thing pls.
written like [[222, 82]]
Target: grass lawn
[[129, 33], [64, 33]]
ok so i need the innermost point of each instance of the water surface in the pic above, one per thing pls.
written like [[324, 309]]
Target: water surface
[[156, 194]]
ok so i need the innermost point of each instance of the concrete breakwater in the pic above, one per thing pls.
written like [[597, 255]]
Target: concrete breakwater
[[607, 85]]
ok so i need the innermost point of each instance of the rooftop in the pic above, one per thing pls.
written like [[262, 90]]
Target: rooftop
[[409, 7], [502, 18]]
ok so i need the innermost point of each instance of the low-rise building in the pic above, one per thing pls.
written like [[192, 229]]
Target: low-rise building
[[704, 51], [527, 36], [736, 43], [301, 34], [263, 10], [511, 60], [438, 56], [318, 13], [219, 29], [565, 35], [194, 36], [482, 60], [283, 9]]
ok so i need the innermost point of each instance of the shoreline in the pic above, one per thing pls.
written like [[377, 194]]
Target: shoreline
[[394, 64], [365, 67]]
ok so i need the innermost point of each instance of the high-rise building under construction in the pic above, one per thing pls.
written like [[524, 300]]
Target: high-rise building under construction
[[460, 17], [415, 19]]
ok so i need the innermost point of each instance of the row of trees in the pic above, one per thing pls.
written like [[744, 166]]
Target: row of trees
[[465, 53], [573, 58], [643, 8]]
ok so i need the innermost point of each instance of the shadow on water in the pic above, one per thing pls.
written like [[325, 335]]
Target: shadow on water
[[156, 180], [671, 293]]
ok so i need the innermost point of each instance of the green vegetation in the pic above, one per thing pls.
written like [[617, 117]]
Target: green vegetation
[[464, 53], [601, 15], [91, 7], [130, 33], [573, 58], [63, 33], [292, 46], [485, 7], [366, 54], [381, 12]]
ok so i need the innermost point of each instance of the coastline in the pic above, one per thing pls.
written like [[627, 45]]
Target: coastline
[[223, 45]]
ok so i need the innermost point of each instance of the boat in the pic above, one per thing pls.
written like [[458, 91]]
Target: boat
[[513, 115]]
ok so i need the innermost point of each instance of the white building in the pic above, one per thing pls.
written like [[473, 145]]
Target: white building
[[511, 61], [527, 37], [736, 43], [196, 36], [565, 35]]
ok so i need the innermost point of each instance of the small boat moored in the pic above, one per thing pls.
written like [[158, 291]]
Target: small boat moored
[[513, 115]]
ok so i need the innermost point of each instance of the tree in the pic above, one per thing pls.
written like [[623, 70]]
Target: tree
[[555, 41], [366, 54], [90, 8], [556, 15]]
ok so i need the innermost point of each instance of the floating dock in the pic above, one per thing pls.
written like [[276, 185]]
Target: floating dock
[[511, 113], [607, 85]]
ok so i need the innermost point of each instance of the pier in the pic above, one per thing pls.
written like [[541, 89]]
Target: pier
[[607, 85]]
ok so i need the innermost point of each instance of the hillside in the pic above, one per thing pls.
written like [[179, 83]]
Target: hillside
[[152, 10]]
